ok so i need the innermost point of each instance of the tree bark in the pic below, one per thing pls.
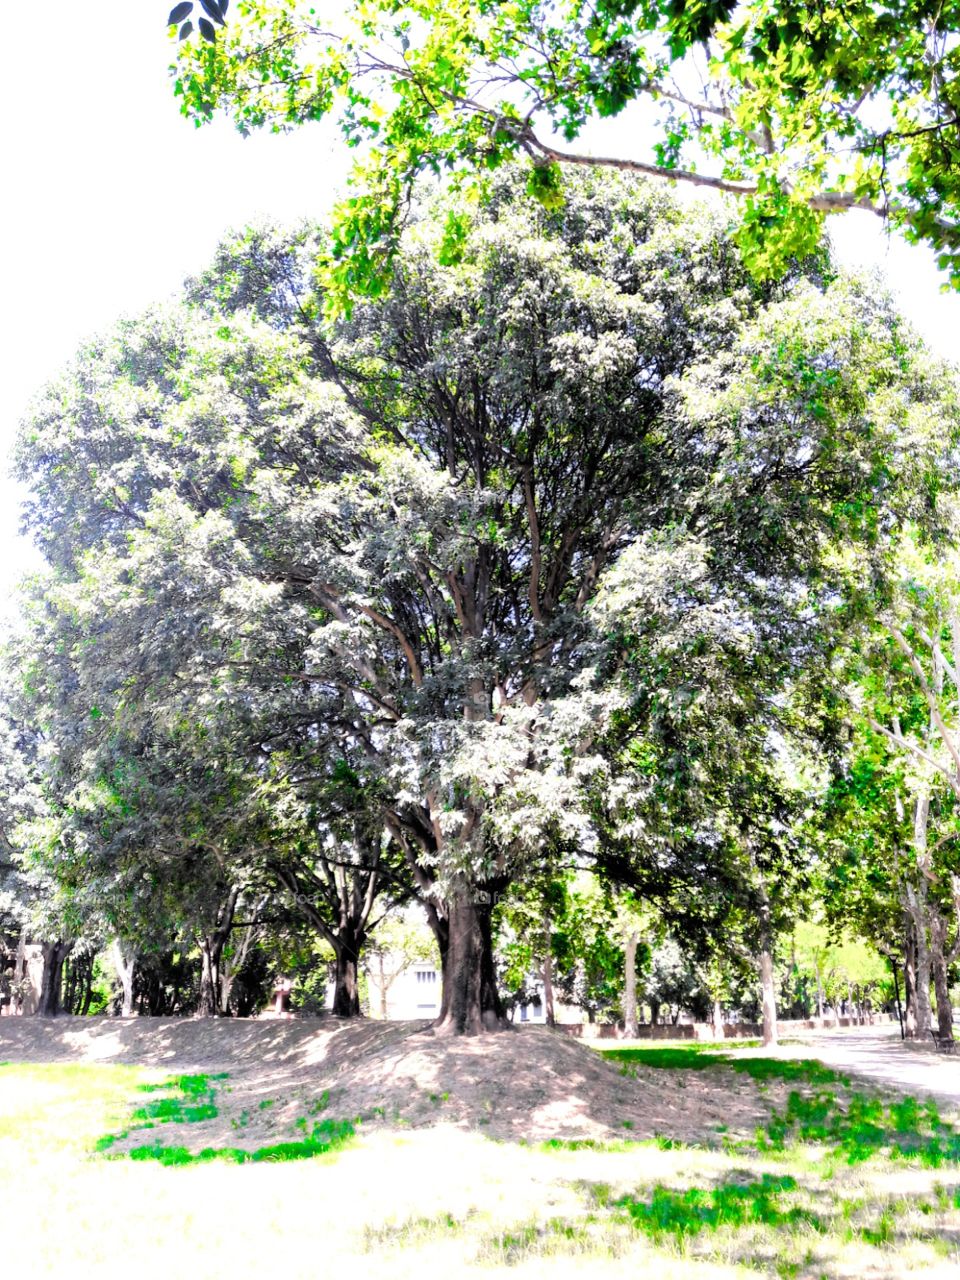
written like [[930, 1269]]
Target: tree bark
[[717, 1020], [346, 991], [231, 966], [909, 981], [383, 988], [470, 1003], [769, 997], [124, 962], [630, 1028], [548, 1009], [211, 951], [917, 897], [923, 967], [54, 954], [941, 980], [19, 972]]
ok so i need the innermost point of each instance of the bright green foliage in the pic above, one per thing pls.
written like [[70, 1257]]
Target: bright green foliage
[[735, 1204], [800, 110], [325, 1137], [860, 1128], [697, 1058]]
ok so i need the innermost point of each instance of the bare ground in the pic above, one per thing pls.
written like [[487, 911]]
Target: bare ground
[[522, 1085]]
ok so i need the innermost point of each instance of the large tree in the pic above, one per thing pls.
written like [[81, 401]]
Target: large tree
[[387, 535]]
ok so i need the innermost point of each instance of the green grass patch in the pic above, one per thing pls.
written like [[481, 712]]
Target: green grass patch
[[732, 1204], [858, 1127], [702, 1058], [324, 1137], [191, 1086]]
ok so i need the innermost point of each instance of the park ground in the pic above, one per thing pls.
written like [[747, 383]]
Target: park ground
[[147, 1148]]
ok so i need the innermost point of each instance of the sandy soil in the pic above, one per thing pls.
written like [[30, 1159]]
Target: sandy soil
[[531, 1084]]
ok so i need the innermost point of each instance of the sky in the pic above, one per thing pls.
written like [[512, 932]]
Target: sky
[[113, 199]]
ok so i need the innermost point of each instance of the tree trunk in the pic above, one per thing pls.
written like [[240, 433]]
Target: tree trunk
[[383, 989], [209, 1003], [548, 1009], [717, 1020], [941, 980], [231, 966], [19, 972], [923, 979], [346, 991], [917, 899], [819, 996], [654, 1013], [909, 983], [54, 954], [211, 952], [630, 1028], [470, 1002], [769, 997], [124, 962]]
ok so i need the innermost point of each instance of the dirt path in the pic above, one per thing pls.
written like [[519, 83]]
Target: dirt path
[[877, 1054]]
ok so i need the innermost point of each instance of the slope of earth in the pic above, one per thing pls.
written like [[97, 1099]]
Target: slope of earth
[[530, 1085]]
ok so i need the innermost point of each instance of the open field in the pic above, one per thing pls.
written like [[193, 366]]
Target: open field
[[235, 1149]]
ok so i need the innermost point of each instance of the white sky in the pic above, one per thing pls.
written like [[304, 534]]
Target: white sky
[[113, 198]]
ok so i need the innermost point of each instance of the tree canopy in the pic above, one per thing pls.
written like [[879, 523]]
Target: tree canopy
[[548, 548], [798, 110]]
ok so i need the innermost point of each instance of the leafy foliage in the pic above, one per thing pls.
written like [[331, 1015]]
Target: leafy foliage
[[798, 110]]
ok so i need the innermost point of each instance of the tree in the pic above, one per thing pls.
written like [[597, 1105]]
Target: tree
[[906, 699], [407, 543], [798, 110]]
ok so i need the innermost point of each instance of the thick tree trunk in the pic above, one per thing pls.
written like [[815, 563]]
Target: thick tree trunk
[[630, 987], [470, 1002], [769, 997], [654, 1013], [54, 954], [346, 991], [124, 963]]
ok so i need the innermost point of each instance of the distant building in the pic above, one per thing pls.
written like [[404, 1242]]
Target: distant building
[[403, 992]]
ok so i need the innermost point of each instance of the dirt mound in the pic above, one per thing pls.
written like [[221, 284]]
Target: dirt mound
[[521, 1085]]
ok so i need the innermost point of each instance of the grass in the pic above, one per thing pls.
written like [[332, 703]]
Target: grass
[[836, 1182], [704, 1058]]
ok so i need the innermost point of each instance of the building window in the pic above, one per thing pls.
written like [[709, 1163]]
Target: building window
[[426, 976]]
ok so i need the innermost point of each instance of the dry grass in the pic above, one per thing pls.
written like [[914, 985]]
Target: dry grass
[[438, 1195]]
